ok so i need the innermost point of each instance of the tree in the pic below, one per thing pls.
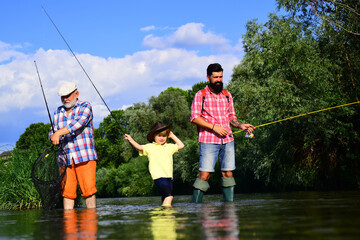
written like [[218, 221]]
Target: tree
[[195, 88], [35, 138], [109, 139], [141, 117], [171, 107], [285, 72]]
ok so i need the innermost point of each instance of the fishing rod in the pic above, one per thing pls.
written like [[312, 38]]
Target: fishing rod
[[48, 171], [87, 75], [42, 89], [301, 115]]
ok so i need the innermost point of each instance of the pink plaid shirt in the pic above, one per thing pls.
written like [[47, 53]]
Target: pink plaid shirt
[[216, 110]]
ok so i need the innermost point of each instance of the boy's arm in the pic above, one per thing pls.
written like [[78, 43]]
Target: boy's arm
[[178, 142], [132, 141]]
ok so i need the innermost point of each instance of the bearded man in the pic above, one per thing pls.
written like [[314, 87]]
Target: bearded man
[[73, 126], [212, 110]]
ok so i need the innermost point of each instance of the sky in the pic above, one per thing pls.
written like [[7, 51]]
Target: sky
[[131, 50]]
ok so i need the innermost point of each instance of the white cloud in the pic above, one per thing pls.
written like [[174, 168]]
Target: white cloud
[[148, 28], [191, 35], [8, 52], [120, 81]]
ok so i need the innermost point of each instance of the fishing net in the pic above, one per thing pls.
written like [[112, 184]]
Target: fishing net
[[48, 174]]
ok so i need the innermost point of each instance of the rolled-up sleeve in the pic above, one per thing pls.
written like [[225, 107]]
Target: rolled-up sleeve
[[196, 106], [81, 120], [232, 114]]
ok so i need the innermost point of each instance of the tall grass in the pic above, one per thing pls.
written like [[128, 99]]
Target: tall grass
[[17, 191]]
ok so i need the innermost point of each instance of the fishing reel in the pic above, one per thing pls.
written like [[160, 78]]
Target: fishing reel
[[249, 135]]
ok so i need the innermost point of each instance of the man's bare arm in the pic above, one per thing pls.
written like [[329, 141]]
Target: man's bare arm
[[244, 126], [216, 128], [235, 123]]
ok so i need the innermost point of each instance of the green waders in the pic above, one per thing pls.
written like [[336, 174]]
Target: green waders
[[228, 189], [200, 186]]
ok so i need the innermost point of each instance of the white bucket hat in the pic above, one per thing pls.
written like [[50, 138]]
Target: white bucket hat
[[66, 88]]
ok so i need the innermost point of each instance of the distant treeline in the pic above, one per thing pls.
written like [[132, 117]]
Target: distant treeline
[[293, 64]]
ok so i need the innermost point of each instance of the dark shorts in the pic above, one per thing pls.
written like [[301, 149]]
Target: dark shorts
[[165, 186]]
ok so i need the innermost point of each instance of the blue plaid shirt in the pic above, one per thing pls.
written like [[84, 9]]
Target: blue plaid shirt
[[79, 144]]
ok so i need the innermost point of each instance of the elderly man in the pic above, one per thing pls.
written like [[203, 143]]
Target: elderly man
[[73, 125], [212, 110]]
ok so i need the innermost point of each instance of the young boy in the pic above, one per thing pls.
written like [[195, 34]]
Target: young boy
[[160, 155]]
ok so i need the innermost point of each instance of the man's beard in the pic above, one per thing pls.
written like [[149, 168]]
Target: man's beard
[[70, 104], [217, 87]]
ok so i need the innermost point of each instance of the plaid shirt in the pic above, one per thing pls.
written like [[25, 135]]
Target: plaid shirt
[[79, 143], [216, 110]]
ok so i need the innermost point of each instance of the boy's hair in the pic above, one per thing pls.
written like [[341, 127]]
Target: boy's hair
[[214, 67], [164, 133]]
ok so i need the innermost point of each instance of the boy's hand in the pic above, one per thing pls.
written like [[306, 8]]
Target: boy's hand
[[127, 137]]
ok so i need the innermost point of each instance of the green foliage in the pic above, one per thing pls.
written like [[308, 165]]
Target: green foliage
[[186, 163], [109, 139], [17, 190], [141, 117], [293, 64], [35, 138], [129, 179], [195, 88], [286, 73], [171, 107]]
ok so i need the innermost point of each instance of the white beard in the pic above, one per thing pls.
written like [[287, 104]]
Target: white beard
[[70, 104]]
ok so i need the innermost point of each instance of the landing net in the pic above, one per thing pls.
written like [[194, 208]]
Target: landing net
[[48, 174]]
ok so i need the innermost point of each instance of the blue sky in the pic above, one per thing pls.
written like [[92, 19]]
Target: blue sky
[[132, 50]]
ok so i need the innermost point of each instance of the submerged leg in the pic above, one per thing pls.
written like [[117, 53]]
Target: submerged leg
[[68, 203], [167, 201], [91, 201]]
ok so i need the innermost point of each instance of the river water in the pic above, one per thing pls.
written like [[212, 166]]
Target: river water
[[296, 215]]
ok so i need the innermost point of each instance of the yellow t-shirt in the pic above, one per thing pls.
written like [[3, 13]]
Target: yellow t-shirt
[[160, 159]]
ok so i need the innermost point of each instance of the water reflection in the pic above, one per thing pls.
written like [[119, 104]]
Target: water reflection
[[302, 215], [220, 222], [80, 224], [163, 223]]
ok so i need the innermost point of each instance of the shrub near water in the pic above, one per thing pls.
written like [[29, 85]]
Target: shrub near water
[[17, 191], [128, 180]]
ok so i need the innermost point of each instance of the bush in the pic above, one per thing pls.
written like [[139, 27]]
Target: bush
[[129, 179]]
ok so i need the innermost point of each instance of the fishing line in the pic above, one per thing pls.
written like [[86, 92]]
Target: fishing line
[[87, 75], [301, 115]]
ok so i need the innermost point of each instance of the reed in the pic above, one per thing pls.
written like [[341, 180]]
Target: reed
[[17, 191]]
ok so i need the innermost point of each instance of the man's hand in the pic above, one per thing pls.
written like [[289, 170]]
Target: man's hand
[[55, 138], [220, 130], [246, 126]]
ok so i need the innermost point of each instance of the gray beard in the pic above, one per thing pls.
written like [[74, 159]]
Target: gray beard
[[70, 104]]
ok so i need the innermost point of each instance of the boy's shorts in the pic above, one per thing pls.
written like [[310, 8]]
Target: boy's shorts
[[166, 187], [85, 173], [209, 153]]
